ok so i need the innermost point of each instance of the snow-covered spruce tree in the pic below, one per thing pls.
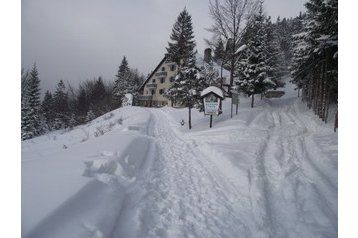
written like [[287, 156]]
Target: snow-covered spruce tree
[[47, 110], [61, 108], [128, 81], [182, 51], [25, 109], [219, 51], [30, 121], [253, 65], [72, 122], [276, 56], [121, 83], [90, 116], [315, 64]]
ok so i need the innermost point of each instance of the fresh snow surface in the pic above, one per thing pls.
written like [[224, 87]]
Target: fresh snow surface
[[270, 171]]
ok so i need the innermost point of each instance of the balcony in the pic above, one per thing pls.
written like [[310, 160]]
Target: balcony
[[162, 73], [151, 85]]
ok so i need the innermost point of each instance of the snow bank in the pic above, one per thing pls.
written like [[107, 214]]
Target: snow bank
[[72, 180]]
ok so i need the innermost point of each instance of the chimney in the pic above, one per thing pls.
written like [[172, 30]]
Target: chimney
[[207, 55]]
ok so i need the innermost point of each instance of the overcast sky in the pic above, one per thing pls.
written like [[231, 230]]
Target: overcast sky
[[75, 40]]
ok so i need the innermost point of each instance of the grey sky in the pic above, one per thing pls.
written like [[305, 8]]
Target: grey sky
[[75, 40]]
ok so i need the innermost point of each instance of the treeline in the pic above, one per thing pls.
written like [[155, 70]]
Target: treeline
[[68, 107], [315, 57], [246, 42]]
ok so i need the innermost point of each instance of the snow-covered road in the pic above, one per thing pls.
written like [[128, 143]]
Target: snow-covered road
[[286, 187], [270, 171]]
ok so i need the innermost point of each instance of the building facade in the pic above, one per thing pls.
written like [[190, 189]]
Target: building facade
[[160, 80], [153, 89]]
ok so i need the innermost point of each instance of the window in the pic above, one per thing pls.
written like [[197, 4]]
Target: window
[[153, 81], [163, 68], [171, 79], [153, 91], [162, 80], [172, 68], [161, 91]]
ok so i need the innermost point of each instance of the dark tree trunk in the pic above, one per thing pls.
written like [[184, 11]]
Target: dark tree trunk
[[336, 122], [189, 117], [252, 100]]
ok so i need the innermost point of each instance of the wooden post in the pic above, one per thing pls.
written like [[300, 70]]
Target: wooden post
[[231, 106], [336, 122], [211, 121]]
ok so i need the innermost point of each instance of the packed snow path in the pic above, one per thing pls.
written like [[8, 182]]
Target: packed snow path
[[185, 195]]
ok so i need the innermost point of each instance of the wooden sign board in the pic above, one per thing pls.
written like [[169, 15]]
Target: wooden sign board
[[211, 104]]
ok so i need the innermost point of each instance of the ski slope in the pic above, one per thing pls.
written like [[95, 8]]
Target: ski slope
[[270, 171]]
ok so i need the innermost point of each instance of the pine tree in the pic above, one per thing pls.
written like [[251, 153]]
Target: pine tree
[[31, 121], [219, 51], [25, 109], [61, 108], [90, 116], [47, 110], [121, 83], [181, 49], [315, 63], [253, 66], [72, 122], [83, 102], [276, 57]]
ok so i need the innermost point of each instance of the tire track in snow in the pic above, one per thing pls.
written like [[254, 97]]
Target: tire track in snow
[[279, 162]]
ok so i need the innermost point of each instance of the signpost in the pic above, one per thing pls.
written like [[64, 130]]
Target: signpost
[[235, 100], [212, 97]]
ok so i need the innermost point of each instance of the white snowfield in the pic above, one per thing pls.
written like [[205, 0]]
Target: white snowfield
[[270, 171]]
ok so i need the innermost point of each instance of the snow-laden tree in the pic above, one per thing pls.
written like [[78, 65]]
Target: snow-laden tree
[[90, 116], [121, 83], [184, 90], [253, 65], [219, 51], [30, 111], [127, 81], [181, 48], [61, 109], [315, 56], [47, 110], [276, 56], [182, 51]]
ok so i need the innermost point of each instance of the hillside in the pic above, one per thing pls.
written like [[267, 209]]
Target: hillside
[[270, 171]]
